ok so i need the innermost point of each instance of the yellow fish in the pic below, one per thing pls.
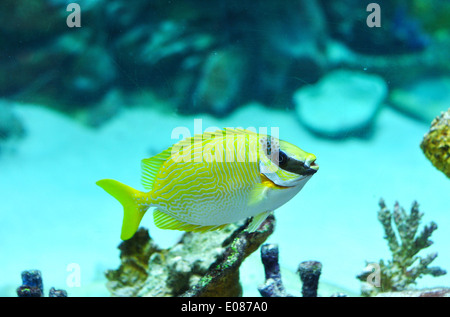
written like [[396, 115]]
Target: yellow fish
[[212, 179]]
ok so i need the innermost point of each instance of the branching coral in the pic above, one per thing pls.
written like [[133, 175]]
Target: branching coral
[[399, 273]]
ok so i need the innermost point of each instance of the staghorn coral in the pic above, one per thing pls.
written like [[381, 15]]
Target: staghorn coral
[[436, 143], [201, 264], [406, 266]]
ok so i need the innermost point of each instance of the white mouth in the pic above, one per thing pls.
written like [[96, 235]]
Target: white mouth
[[310, 162]]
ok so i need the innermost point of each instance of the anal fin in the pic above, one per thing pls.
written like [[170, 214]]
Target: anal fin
[[166, 221], [257, 221]]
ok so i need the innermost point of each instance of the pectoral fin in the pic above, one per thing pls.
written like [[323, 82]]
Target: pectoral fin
[[257, 221], [257, 194]]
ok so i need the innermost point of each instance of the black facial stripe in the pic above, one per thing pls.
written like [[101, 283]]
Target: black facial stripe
[[282, 159], [297, 167]]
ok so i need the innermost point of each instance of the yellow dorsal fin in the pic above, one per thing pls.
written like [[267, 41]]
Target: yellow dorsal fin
[[165, 221], [209, 135], [239, 131], [151, 166]]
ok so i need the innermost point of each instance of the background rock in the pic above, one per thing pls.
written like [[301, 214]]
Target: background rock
[[400, 33], [11, 127], [432, 292], [424, 99], [342, 104], [221, 82], [210, 57]]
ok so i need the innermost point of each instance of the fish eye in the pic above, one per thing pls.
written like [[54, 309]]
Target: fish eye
[[282, 158]]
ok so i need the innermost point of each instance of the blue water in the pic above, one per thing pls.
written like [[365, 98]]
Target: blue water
[[95, 100]]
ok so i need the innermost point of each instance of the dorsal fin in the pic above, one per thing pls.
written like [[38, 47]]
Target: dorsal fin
[[151, 166], [239, 131]]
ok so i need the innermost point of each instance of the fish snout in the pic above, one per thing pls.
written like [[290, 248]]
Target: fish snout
[[310, 164]]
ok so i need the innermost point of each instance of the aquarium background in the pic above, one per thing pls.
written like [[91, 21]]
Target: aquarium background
[[82, 103]]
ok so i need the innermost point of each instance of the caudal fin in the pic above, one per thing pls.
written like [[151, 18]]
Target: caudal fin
[[132, 210]]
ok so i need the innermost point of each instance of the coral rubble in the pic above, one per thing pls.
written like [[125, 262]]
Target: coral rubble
[[406, 266], [433, 292], [309, 272], [200, 264], [273, 286], [436, 143], [33, 286]]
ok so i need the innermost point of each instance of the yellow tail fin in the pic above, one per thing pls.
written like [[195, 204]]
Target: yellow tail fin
[[132, 210]]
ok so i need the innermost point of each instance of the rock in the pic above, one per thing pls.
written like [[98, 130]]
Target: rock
[[433, 14], [220, 83], [46, 53], [205, 59], [432, 292], [156, 58], [11, 128], [400, 31], [273, 285], [33, 286], [342, 104], [87, 80], [57, 292], [106, 109], [288, 53], [201, 264], [288, 36], [222, 278], [24, 22], [424, 99], [397, 70], [309, 272], [436, 143]]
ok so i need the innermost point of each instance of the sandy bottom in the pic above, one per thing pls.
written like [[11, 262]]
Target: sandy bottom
[[54, 218]]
